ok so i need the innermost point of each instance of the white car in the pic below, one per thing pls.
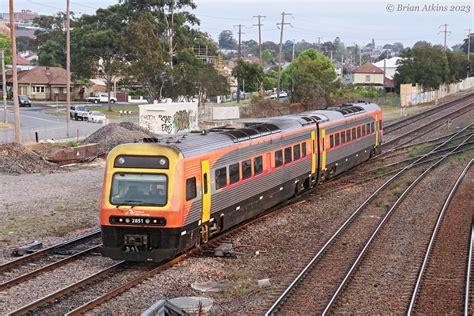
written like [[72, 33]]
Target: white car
[[101, 98], [96, 117]]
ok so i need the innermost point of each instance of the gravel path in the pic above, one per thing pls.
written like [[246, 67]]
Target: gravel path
[[383, 282], [48, 207], [443, 287]]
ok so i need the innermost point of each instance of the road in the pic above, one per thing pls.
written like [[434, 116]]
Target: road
[[48, 126]]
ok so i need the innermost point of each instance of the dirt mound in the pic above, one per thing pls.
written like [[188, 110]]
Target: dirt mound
[[114, 134], [18, 159]]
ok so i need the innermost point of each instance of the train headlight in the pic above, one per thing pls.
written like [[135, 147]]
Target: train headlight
[[127, 220], [121, 160], [162, 162], [147, 221], [155, 221], [120, 220]]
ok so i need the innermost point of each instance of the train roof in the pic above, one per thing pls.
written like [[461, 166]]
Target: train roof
[[196, 143]]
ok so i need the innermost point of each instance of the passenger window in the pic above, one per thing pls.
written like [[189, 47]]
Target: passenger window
[[191, 188], [380, 125], [372, 129], [221, 178], [278, 158], [343, 137], [367, 127], [337, 139], [205, 184], [234, 173], [348, 135], [354, 136], [297, 152], [288, 155], [359, 132], [303, 150], [246, 169], [331, 141], [257, 165]]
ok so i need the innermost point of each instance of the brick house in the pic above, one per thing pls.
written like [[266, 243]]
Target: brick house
[[368, 75], [45, 84]]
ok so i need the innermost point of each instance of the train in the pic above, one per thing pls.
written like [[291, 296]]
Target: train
[[163, 196]]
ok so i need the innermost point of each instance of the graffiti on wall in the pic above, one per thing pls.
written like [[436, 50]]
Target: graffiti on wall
[[180, 121]]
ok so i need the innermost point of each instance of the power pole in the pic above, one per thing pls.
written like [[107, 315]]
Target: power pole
[[292, 58], [319, 43], [468, 52], [282, 24], [260, 36], [4, 89], [445, 35], [331, 55], [16, 105], [68, 67], [240, 58]]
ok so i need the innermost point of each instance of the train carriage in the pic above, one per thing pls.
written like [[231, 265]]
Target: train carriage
[[162, 198]]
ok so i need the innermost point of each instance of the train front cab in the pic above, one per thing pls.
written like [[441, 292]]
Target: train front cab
[[141, 217]]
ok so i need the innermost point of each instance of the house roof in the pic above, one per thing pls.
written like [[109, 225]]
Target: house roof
[[43, 75], [389, 63], [22, 61], [368, 69]]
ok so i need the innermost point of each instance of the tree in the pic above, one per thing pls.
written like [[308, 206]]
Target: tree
[[226, 40], [465, 43], [5, 44], [420, 44], [51, 39], [312, 75], [426, 65], [457, 66], [267, 56], [249, 74], [25, 43]]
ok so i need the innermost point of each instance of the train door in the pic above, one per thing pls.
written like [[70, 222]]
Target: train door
[[313, 152], [323, 150], [206, 191], [376, 130]]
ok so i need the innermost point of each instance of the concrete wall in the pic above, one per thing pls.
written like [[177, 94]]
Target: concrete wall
[[413, 95], [225, 112], [169, 118]]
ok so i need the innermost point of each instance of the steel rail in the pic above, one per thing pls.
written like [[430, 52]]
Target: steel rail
[[65, 290], [49, 267], [329, 242], [46, 251], [375, 233], [468, 273], [434, 234]]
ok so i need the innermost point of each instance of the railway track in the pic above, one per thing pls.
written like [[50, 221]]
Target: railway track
[[405, 136], [310, 291], [388, 128], [447, 256]]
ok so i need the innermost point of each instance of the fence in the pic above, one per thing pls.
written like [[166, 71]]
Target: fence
[[413, 95]]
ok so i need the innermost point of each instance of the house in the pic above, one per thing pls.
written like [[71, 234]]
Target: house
[[368, 75], [45, 84], [390, 66]]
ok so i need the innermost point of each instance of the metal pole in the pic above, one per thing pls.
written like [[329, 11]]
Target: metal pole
[[16, 105], [68, 68], [4, 89], [468, 52]]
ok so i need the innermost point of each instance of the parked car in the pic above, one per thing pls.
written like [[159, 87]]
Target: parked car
[[24, 101], [78, 112], [96, 117], [101, 98]]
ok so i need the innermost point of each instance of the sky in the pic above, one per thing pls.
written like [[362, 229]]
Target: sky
[[355, 22]]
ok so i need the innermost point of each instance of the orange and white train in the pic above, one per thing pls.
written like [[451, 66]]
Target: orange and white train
[[163, 197]]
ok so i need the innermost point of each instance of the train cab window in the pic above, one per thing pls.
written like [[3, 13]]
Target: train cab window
[[372, 128], [234, 173], [367, 126], [191, 188], [343, 137], [337, 140], [297, 152], [359, 132], [278, 158], [303, 150], [331, 141], [288, 155], [354, 135], [246, 169], [221, 178], [257, 165], [348, 135]]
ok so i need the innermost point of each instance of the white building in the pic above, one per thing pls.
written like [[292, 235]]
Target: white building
[[390, 66]]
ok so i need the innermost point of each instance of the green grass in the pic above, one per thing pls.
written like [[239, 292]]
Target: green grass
[[418, 150], [114, 115]]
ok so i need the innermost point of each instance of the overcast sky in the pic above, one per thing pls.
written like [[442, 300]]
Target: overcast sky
[[353, 21]]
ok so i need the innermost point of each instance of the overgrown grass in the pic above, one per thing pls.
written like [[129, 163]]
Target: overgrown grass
[[418, 150], [5, 125]]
